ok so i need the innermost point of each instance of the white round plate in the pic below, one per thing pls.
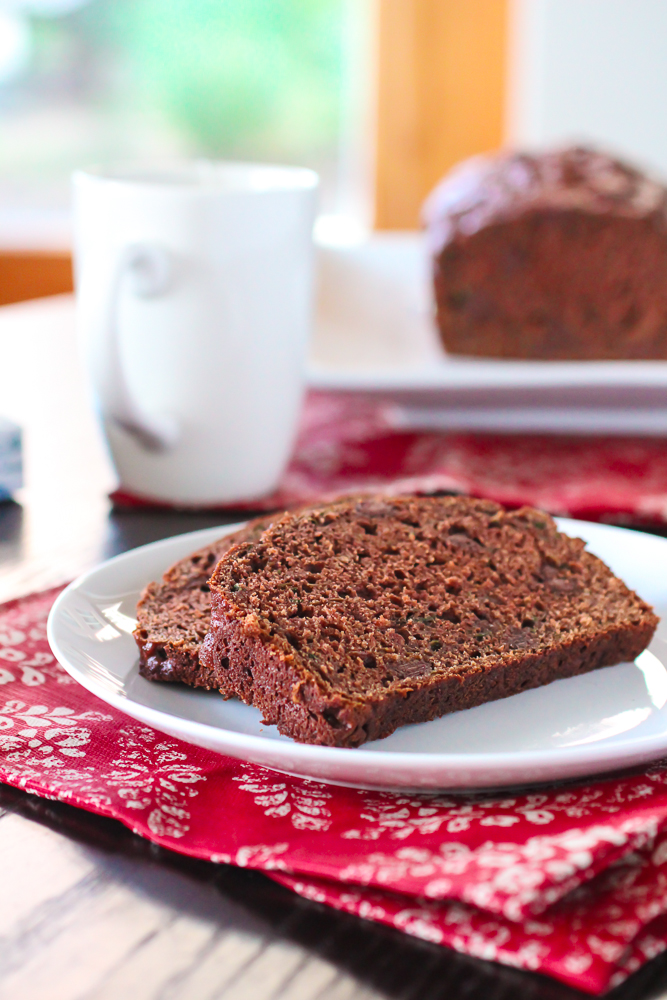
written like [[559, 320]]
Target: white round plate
[[601, 721]]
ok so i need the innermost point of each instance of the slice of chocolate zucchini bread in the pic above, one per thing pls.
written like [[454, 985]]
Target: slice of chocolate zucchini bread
[[344, 622], [173, 613]]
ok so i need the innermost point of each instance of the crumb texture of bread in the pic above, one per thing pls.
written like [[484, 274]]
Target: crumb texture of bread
[[344, 622], [555, 256], [173, 614]]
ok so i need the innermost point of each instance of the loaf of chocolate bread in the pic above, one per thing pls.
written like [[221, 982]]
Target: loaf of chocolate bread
[[173, 614], [555, 256], [343, 622]]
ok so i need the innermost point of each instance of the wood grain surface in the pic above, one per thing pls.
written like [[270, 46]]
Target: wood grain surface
[[32, 274], [90, 911]]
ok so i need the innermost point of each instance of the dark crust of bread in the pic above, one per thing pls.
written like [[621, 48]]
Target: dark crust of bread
[[173, 614], [557, 256], [345, 622]]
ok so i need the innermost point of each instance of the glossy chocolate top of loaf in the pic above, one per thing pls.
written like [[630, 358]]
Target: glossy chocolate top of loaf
[[488, 189]]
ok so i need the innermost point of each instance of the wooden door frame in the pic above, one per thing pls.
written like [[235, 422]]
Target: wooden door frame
[[440, 97]]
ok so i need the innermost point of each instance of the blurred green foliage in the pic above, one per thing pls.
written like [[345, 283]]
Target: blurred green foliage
[[257, 78]]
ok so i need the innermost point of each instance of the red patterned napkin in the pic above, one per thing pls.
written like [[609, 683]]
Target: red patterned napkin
[[571, 881], [348, 443]]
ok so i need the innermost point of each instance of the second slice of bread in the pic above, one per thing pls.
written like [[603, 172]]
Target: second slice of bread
[[173, 613]]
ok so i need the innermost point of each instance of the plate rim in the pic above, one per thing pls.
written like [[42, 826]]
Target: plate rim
[[453, 374], [598, 758]]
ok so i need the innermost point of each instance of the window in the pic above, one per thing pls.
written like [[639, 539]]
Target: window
[[89, 81]]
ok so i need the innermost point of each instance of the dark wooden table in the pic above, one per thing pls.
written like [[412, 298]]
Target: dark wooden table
[[88, 910]]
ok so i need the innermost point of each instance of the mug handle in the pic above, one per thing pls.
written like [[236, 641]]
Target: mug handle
[[147, 268]]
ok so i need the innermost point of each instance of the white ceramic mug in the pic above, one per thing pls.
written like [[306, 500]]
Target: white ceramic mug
[[194, 287]]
